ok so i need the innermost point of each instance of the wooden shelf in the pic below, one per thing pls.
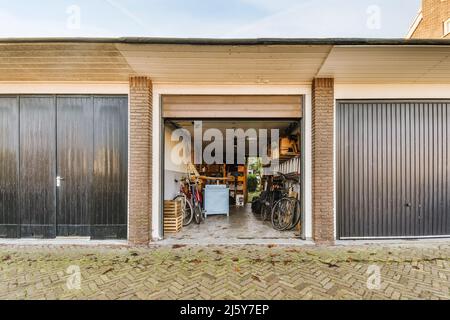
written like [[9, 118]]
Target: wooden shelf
[[238, 173], [284, 158], [287, 157]]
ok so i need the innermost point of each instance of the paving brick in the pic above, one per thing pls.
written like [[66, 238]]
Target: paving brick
[[40, 272]]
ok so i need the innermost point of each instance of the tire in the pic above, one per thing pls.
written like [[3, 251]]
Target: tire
[[186, 209], [274, 215], [198, 214], [265, 212], [257, 206], [297, 216], [283, 214]]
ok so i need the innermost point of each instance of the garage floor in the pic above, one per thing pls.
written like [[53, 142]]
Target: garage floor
[[242, 227]]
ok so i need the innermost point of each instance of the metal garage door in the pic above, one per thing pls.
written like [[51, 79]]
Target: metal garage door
[[393, 170], [237, 106], [63, 166]]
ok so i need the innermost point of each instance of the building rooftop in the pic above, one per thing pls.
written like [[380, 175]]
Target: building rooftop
[[218, 41], [225, 61]]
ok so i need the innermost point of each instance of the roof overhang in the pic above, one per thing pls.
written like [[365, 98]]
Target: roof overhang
[[226, 61]]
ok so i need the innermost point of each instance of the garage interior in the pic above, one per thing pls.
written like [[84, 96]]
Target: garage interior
[[230, 190]]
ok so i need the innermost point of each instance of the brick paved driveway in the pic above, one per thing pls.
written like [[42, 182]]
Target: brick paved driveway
[[247, 272]]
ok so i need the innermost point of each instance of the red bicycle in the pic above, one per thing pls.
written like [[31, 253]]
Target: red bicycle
[[190, 196], [184, 196]]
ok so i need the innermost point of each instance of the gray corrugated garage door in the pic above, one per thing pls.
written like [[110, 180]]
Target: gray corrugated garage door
[[393, 169]]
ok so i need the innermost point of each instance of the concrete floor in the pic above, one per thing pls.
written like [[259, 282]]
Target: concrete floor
[[242, 227]]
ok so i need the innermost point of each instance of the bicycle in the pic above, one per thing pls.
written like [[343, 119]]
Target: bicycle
[[192, 201], [286, 213], [268, 199], [185, 197], [197, 201]]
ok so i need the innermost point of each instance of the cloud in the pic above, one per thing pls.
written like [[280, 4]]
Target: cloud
[[275, 24], [328, 18], [274, 6], [232, 19], [128, 14]]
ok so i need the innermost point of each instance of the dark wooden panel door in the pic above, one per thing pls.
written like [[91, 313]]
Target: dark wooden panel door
[[109, 218], [75, 144], [9, 167], [37, 166], [393, 169]]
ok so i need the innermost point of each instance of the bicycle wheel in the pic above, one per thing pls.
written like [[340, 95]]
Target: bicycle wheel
[[265, 212], [275, 215], [198, 214], [186, 209], [256, 206], [283, 214], [297, 218]]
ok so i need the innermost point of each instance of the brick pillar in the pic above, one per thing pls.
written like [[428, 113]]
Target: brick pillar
[[322, 161], [140, 171]]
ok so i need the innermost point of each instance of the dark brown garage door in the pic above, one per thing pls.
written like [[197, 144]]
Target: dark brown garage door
[[63, 166], [393, 170]]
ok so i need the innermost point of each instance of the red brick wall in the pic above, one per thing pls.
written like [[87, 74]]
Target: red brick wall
[[140, 171], [323, 160], [435, 13]]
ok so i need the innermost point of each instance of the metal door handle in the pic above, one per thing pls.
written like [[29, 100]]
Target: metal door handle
[[58, 181]]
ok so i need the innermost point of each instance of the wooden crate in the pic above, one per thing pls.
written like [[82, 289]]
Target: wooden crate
[[173, 217]]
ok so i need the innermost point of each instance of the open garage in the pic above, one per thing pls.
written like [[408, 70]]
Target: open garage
[[242, 181]]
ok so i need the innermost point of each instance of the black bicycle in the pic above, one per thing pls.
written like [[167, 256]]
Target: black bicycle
[[286, 213], [262, 206]]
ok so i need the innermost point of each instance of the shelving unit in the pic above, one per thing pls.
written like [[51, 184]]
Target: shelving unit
[[213, 170], [290, 166], [237, 175], [239, 186]]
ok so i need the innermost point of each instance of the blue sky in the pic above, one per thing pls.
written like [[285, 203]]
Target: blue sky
[[207, 18]]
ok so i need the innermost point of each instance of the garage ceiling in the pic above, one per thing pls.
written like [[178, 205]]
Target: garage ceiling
[[235, 124], [114, 60], [232, 106]]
